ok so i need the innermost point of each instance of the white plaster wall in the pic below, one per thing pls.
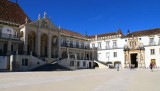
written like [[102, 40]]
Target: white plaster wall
[[32, 62], [3, 62], [4, 30], [120, 43], [148, 56], [23, 30], [103, 57], [146, 39], [87, 63]]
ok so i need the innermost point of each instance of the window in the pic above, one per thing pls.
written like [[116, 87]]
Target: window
[[151, 41], [12, 47], [115, 54], [8, 30], [99, 45], [114, 43], [84, 63], [24, 62], [93, 45], [107, 56], [130, 44], [78, 64], [71, 63], [107, 44], [153, 61], [152, 51]]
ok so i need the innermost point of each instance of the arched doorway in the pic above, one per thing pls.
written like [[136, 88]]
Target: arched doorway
[[44, 43], [95, 65], [54, 47], [31, 42], [117, 63], [90, 65], [64, 54]]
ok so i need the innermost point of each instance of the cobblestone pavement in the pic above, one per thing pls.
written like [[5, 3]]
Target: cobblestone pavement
[[82, 80]]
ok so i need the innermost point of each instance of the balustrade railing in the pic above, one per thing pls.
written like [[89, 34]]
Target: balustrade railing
[[9, 36], [152, 43], [75, 46]]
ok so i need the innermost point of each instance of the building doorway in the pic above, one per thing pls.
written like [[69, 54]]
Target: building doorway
[[90, 65], [134, 60], [5, 49], [153, 61]]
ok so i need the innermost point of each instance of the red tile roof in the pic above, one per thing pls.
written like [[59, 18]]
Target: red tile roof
[[108, 34], [12, 13], [71, 33], [143, 33], [103, 35]]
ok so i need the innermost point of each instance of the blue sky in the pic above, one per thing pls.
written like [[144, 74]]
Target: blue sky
[[97, 16]]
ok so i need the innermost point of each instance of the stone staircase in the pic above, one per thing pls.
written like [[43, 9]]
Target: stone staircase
[[51, 67], [101, 65]]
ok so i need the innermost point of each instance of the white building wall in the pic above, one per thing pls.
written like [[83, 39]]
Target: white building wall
[[148, 55], [8, 30], [146, 39], [103, 57], [3, 62]]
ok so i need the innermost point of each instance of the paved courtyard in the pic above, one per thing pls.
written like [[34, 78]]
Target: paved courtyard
[[82, 80]]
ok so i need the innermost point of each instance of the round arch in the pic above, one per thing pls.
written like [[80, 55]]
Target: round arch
[[31, 42], [95, 65], [54, 47], [44, 43]]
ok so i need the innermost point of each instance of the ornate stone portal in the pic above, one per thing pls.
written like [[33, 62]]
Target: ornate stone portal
[[134, 53]]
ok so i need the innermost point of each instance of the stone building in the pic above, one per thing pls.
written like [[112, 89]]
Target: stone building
[[45, 41], [25, 45], [142, 47], [109, 47], [9, 30], [137, 49]]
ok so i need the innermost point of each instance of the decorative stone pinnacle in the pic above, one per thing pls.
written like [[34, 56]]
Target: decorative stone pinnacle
[[45, 15], [26, 20], [59, 27], [39, 16]]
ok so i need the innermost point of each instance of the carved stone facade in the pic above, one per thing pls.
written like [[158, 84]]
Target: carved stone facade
[[43, 40], [134, 53]]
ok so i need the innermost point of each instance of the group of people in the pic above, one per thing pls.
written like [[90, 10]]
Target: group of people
[[152, 65], [132, 66]]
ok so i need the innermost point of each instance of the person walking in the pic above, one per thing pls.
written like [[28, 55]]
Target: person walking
[[117, 66], [151, 67]]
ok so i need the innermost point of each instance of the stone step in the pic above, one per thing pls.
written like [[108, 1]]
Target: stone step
[[51, 67]]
